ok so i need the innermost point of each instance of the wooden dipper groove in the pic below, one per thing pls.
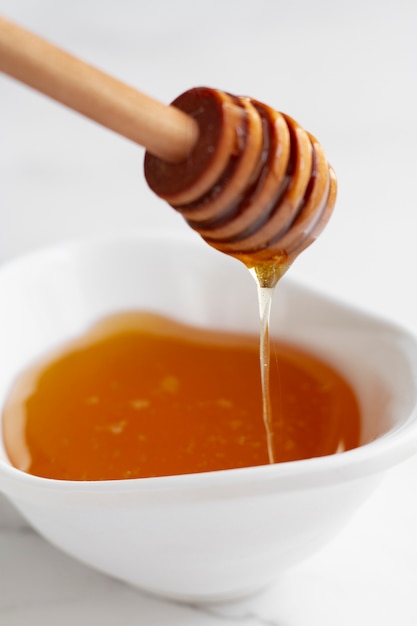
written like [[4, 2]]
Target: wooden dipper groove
[[256, 185]]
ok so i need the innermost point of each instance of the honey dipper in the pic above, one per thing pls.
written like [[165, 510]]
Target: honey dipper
[[248, 179]]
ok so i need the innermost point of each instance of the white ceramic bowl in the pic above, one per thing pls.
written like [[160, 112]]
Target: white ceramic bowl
[[220, 534]]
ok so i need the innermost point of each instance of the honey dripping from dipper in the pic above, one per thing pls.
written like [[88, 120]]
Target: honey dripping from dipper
[[248, 179], [257, 187], [134, 407]]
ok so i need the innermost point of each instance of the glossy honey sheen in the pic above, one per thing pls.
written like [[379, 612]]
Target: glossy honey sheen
[[141, 395]]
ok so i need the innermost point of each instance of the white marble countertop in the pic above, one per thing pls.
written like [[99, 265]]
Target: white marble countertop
[[345, 71]]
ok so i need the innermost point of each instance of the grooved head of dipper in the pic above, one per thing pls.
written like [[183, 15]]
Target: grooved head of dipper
[[257, 186]]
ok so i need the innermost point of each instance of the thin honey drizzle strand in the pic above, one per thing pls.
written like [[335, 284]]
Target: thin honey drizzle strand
[[266, 277]]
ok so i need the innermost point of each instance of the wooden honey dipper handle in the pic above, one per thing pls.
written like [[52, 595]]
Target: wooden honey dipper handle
[[163, 130]]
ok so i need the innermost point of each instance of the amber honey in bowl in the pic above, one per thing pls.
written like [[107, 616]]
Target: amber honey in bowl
[[141, 395]]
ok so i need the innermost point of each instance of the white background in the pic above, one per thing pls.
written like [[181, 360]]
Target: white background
[[347, 72]]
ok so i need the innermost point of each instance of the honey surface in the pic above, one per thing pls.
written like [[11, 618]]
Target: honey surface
[[140, 395]]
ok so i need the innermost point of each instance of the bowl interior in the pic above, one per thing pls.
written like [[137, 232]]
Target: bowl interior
[[55, 294]]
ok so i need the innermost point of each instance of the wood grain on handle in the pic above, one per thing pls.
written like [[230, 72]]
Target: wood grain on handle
[[163, 130]]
